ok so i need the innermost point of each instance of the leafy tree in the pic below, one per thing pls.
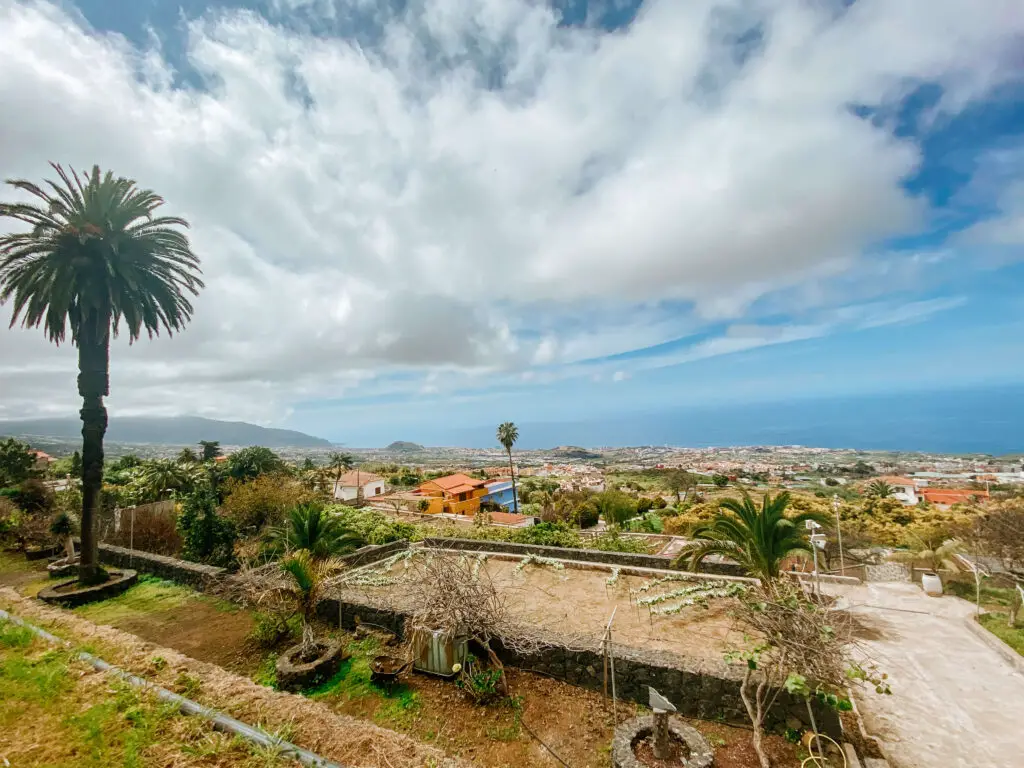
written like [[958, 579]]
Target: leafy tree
[[76, 465], [159, 478], [680, 483], [879, 489], [128, 461], [16, 461], [188, 456], [249, 463], [94, 255], [615, 507], [757, 539], [720, 481], [263, 502], [206, 536], [507, 435], [311, 528], [34, 497], [308, 464], [211, 449]]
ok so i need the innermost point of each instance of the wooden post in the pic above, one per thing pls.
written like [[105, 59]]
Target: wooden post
[[661, 707], [661, 734]]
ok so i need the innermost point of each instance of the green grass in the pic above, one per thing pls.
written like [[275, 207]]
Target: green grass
[[991, 596], [397, 707], [150, 595], [996, 623], [51, 712]]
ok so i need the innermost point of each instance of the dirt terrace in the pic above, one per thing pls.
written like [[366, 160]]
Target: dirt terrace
[[578, 603]]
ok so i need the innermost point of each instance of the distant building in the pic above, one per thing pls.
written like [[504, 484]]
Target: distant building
[[500, 492], [347, 486], [944, 498], [456, 494], [904, 489], [43, 460]]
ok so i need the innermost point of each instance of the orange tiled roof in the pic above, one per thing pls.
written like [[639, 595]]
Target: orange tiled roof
[[352, 478], [451, 482], [896, 480], [951, 495]]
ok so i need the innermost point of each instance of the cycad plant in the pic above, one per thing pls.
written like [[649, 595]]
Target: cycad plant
[[307, 580], [63, 527], [759, 539], [94, 257], [311, 528]]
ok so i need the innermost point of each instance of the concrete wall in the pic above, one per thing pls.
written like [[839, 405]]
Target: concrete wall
[[588, 555]]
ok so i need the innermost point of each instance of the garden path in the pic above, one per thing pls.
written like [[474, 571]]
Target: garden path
[[955, 701]]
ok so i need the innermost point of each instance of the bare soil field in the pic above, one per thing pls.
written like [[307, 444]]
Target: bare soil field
[[578, 603]]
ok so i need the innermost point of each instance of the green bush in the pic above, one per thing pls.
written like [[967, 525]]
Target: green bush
[[373, 526], [479, 682], [207, 537], [548, 535]]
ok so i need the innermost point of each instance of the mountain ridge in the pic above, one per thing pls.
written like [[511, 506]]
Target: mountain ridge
[[171, 430]]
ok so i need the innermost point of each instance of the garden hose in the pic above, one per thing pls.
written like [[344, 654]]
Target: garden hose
[[820, 761]]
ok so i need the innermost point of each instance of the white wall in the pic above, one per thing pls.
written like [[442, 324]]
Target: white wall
[[348, 492]]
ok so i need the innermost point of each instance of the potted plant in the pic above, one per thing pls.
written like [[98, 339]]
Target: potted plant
[[63, 527], [935, 557], [312, 660]]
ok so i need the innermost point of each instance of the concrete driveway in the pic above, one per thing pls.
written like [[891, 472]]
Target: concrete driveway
[[955, 703]]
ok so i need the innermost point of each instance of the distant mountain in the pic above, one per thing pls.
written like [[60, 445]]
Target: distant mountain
[[177, 430], [402, 446]]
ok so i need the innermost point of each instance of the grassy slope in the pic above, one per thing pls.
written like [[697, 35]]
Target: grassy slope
[[997, 625], [56, 711]]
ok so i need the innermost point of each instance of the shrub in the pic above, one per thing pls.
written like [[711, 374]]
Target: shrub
[[16, 462], [479, 682], [549, 535], [34, 497], [644, 505], [613, 542], [263, 502], [155, 531], [207, 537], [373, 526]]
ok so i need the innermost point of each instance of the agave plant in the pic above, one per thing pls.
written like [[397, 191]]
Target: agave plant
[[757, 539], [63, 527], [308, 579], [311, 528]]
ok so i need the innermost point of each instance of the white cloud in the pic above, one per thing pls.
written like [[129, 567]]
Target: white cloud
[[420, 201]]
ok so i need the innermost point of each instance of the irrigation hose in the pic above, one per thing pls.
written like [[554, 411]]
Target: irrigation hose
[[220, 721], [820, 761]]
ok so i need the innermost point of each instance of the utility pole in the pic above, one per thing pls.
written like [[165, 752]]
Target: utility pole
[[839, 533]]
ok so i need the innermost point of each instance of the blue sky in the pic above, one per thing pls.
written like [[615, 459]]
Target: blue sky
[[431, 215]]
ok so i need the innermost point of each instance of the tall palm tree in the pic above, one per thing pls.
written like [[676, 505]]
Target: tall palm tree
[[95, 255], [340, 463], [880, 489], [757, 539], [508, 433]]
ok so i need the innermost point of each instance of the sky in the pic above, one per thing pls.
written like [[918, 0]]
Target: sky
[[419, 216]]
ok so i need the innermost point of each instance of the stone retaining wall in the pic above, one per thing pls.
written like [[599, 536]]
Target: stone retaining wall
[[887, 572], [702, 688], [589, 555], [195, 575]]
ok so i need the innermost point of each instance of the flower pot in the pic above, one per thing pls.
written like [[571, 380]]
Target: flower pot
[[294, 672], [931, 584]]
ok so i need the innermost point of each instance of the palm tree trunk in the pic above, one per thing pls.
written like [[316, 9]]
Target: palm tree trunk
[[512, 471], [93, 384]]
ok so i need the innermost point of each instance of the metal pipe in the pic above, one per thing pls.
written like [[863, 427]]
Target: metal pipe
[[189, 707]]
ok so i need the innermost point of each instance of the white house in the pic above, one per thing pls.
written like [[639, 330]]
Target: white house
[[348, 485], [904, 489]]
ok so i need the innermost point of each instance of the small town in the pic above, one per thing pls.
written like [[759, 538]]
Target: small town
[[511, 384]]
